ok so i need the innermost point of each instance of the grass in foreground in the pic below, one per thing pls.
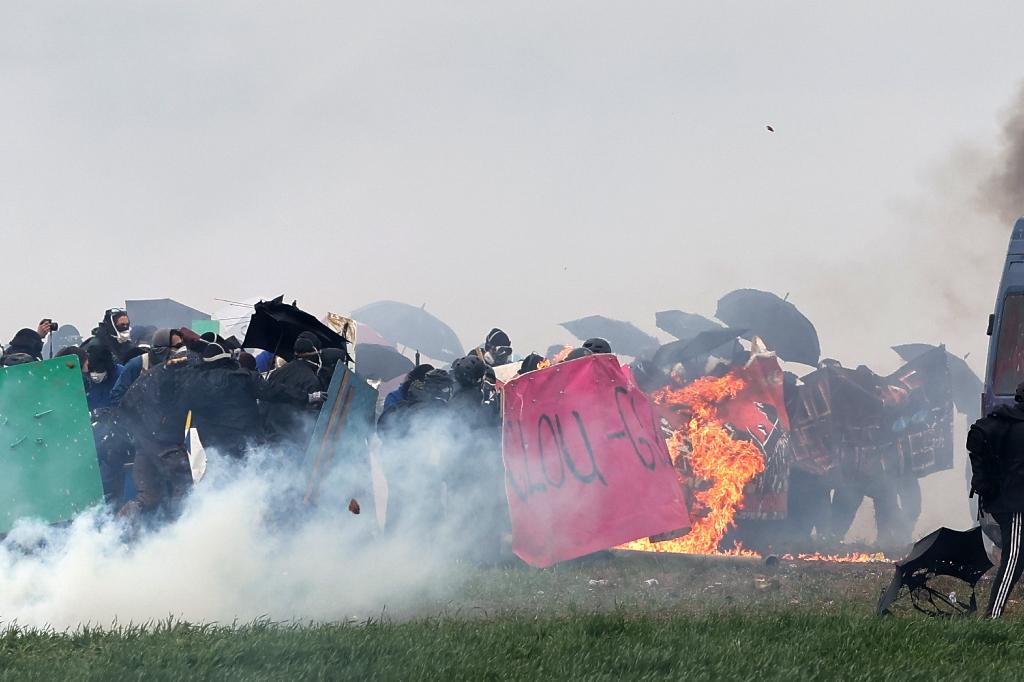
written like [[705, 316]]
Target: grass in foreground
[[621, 617], [616, 645]]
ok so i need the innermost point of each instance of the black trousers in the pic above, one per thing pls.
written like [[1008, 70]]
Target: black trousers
[[1010, 563]]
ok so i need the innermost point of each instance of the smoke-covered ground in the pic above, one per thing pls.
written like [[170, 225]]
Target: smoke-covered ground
[[244, 547]]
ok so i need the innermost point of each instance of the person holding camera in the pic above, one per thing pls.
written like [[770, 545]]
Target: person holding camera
[[27, 344]]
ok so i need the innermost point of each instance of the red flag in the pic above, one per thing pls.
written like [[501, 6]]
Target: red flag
[[586, 467]]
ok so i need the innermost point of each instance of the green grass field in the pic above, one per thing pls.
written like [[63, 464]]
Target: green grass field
[[703, 619]]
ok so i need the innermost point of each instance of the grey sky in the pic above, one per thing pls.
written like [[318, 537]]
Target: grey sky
[[513, 164]]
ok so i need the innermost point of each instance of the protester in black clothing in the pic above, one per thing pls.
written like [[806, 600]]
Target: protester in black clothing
[[996, 447], [26, 346], [497, 348], [155, 414], [222, 399], [115, 332], [472, 467], [293, 397]]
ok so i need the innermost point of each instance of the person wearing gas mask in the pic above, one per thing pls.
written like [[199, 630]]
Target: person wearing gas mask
[[115, 332], [165, 343], [293, 396], [414, 432], [497, 349]]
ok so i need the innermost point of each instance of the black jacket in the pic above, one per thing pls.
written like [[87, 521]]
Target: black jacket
[[222, 398], [153, 406], [106, 334], [26, 346], [285, 400], [999, 475]]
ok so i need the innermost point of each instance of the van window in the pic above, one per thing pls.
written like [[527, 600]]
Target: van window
[[1009, 365]]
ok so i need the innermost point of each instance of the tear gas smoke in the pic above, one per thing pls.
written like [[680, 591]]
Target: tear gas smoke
[[243, 547]]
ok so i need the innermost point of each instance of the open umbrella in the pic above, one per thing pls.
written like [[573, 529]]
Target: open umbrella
[[700, 345], [413, 327], [683, 325], [624, 338], [275, 325], [967, 386], [782, 327], [374, 361]]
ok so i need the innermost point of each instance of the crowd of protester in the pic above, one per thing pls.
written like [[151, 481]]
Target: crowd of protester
[[142, 390], [145, 391]]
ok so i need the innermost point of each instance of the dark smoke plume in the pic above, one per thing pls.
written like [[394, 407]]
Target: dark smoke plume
[[1003, 191]]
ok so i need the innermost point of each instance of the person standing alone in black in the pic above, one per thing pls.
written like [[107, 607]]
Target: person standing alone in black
[[996, 447]]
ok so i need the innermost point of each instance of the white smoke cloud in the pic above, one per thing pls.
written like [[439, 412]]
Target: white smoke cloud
[[243, 548]]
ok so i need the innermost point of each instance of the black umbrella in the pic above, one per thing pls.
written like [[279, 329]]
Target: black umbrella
[[701, 345], [624, 338], [275, 325], [957, 553], [780, 325], [682, 325], [967, 386], [413, 327], [375, 361]]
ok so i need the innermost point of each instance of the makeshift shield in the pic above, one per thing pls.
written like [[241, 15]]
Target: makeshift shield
[[337, 462], [586, 467], [48, 466]]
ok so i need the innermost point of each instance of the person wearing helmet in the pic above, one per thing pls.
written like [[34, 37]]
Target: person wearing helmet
[[597, 345], [578, 353]]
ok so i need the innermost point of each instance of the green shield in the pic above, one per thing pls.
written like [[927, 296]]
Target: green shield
[[48, 467]]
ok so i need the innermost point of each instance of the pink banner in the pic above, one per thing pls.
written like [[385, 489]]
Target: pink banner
[[585, 465]]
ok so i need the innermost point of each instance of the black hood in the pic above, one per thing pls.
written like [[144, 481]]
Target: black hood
[[1015, 412], [26, 341]]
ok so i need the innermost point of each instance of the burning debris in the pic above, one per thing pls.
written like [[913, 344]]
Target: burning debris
[[707, 453]]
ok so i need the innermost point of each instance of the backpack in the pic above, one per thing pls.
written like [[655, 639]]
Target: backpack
[[984, 443]]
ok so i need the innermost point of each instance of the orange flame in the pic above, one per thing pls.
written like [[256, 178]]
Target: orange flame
[[559, 356], [714, 456], [677, 546], [711, 454]]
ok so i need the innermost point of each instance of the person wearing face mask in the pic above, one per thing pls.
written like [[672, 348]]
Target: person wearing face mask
[[497, 349], [294, 395], [165, 343], [102, 372], [114, 445], [115, 332]]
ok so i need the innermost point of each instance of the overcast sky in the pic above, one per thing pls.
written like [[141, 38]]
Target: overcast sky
[[512, 164]]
